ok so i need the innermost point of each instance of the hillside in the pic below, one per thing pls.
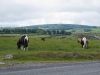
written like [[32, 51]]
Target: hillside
[[60, 26], [51, 28], [67, 27]]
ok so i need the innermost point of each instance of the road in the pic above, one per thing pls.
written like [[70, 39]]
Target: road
[[87, 68]]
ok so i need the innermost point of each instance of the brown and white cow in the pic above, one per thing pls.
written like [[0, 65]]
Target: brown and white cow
[[83, 41]]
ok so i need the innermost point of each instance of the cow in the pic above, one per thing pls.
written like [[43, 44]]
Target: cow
[[22, 43], [83, 41], [43, 38]]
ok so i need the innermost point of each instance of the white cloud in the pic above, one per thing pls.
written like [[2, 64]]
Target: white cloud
[[26, 12]]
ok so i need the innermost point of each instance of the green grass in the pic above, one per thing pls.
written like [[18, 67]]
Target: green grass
[[96, 30], [53, 49]]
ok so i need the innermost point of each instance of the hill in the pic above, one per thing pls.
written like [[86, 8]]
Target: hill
[[59, 26], [51, 28], [66, 27]]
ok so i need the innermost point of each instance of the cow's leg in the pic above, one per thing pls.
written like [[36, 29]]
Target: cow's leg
[[86, 45], [22, 48], [82, 45], [18, 46], [27, 48]]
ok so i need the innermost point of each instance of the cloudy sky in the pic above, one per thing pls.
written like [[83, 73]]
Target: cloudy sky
[[33, 12]]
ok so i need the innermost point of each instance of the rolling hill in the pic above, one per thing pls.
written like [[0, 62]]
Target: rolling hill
[[67, 27], [60, 26], [51, 27]]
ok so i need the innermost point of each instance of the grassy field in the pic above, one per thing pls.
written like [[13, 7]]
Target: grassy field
[[52, 49]]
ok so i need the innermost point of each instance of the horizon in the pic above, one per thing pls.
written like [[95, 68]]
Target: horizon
[[45, 24], [38, 12]]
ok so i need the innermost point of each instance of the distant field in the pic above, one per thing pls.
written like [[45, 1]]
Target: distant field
[[52, 49], [97, 30]]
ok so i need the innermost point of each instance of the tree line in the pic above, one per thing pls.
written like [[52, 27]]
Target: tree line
[[33, 31]]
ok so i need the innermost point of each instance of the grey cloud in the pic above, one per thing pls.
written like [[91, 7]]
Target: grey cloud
[[17, 12], [11, 11]]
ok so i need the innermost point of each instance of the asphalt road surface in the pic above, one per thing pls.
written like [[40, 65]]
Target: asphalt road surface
[[87, 68]]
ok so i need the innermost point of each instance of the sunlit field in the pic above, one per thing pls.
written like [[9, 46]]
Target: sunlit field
[[52, 49]]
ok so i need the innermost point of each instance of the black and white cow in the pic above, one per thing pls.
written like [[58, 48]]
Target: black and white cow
[[22, 43]]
